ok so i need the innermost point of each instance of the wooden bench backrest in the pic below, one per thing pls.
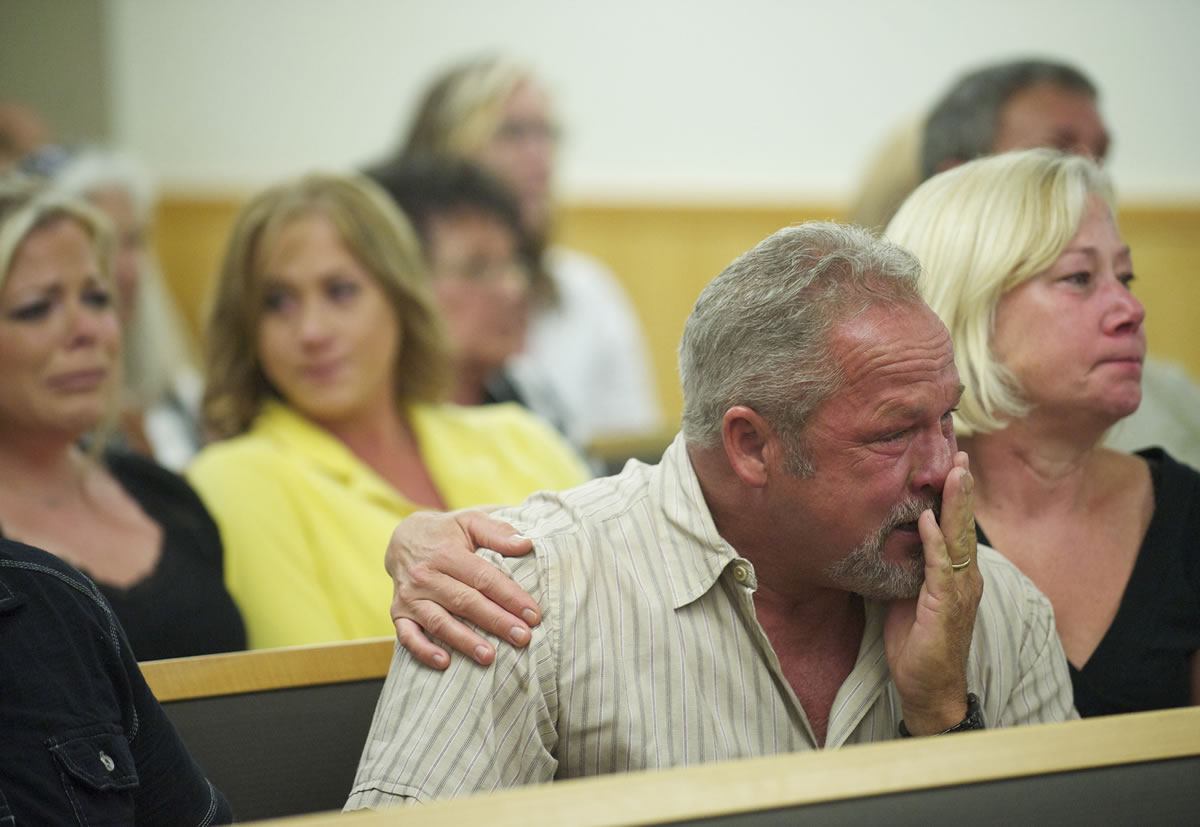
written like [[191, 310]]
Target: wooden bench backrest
[[279, 731]]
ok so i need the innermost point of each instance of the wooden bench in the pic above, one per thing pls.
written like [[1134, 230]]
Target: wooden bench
[[1123, 770], [279, 731]]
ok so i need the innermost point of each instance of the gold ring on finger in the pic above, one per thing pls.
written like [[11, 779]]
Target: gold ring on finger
[[965, 564]]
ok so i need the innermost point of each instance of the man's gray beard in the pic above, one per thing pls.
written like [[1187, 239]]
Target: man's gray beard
[[864, 571]]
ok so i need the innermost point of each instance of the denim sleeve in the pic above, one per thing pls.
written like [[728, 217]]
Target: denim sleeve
[[172, 788]]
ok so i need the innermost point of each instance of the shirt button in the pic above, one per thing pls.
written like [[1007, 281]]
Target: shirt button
[[108, 763], [740, 574]]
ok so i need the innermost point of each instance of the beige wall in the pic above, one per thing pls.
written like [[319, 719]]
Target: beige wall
[[663, 101], [54, 58]]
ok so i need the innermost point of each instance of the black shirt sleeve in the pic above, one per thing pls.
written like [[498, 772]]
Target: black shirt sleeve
[[85, 741]]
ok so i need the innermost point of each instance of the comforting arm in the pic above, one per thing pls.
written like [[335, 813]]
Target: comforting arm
[[436, 575], [467, 729]]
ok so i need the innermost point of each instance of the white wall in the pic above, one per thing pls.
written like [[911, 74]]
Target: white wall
[[663, 99]]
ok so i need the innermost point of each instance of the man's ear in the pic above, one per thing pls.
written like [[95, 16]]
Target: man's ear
[[949, 163], [749, 443]]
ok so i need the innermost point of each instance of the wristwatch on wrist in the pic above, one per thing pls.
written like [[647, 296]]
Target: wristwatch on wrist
[[974, 719]]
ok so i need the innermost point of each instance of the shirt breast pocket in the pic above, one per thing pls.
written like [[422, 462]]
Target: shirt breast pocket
[[98, 774]]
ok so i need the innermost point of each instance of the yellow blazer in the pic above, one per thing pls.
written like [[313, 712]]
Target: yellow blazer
[[305, 522]]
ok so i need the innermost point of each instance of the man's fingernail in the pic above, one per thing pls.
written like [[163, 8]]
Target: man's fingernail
[[529, 616], [481, 653], [440, 660], [968, 482], [518, 635], [520, 537]]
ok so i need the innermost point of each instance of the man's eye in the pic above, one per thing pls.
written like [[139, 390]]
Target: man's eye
[[31, 312], [896, 437]]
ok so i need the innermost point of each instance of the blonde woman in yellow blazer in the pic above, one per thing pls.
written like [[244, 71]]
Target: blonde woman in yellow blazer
[[326, 366]]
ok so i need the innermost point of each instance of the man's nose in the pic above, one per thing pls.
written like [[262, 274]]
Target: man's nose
[[935, 458]]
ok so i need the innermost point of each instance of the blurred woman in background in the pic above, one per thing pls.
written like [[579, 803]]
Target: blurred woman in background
[[480, 264], [138, 530], [161, 384], [327, 365], [585, 340]]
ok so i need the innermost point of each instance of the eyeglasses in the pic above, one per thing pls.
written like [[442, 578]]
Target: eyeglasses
[[487, 273], [515, 132]]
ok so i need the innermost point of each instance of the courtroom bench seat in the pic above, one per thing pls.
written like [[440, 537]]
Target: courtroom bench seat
[[279, 731]]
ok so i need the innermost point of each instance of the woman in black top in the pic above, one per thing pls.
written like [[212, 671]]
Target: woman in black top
[[1023, 261], [137, 530]]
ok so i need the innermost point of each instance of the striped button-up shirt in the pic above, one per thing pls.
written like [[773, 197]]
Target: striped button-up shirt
[[649, 655]]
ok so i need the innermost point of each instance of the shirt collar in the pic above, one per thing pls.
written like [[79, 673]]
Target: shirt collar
[[300, 437], [694, 551]]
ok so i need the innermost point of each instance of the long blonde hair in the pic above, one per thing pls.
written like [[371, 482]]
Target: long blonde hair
[[376, 233]]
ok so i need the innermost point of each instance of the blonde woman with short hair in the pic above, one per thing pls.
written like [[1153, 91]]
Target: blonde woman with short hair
[[326, 367], [1023, 260], [135, 528]]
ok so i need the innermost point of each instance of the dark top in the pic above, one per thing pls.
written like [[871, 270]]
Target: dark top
[[182, 607], [1143, 660], [84, 740]]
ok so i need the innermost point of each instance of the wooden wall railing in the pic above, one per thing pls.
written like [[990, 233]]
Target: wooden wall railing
[[665, 253]]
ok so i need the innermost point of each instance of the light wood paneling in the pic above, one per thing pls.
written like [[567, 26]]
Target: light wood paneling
[[664, 254], [190, 236]]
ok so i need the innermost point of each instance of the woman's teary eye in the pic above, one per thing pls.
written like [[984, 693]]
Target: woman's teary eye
[[1127, 279], [31, 312], [1081, 279], [274, 300], [98, 298]]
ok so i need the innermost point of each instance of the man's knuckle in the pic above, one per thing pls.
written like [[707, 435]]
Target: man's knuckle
[[405, 636], [485, 579], [404, 594], [420, 575], [435, 624], [460, 602]]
